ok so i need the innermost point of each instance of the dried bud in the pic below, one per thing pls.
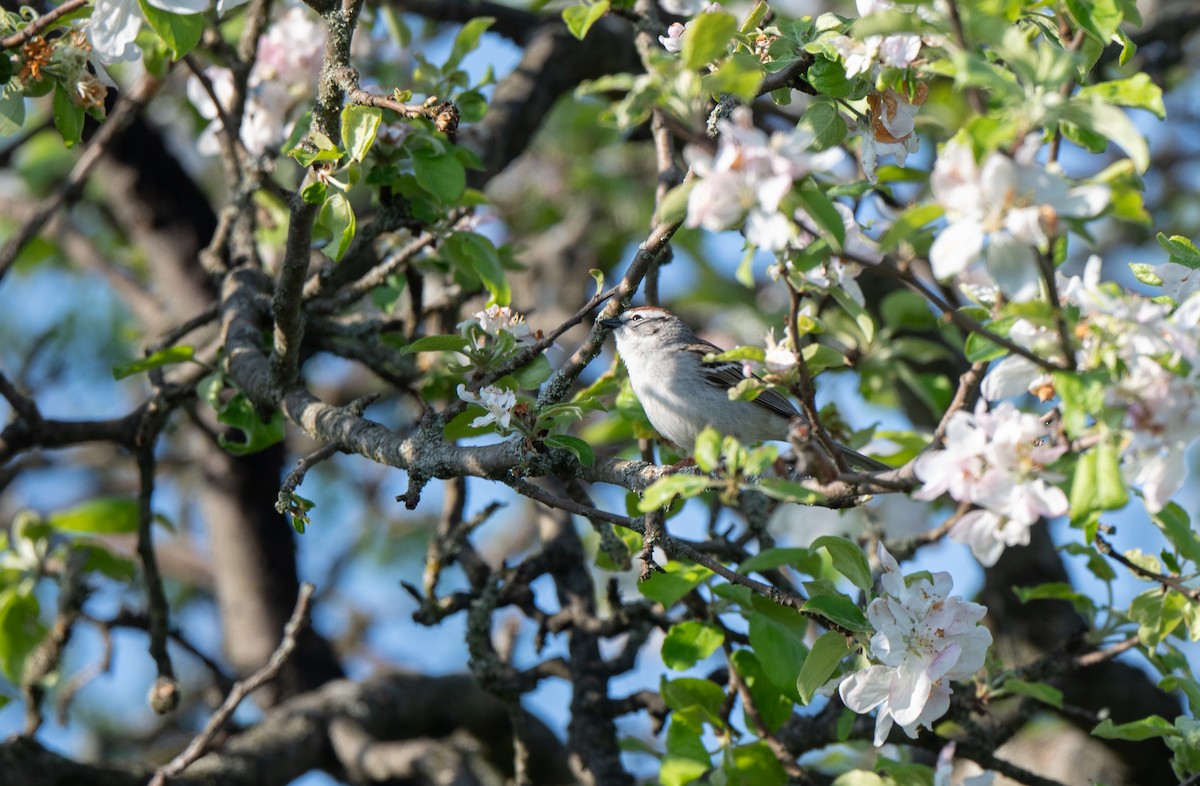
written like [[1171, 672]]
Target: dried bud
[[446, 120], [164, 695], [36, 53]]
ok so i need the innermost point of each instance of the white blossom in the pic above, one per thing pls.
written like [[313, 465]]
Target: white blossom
[[495, 320], [498, 403], [924, 638], [1002, 212], [995, 460], [115, 25], [779, 357]]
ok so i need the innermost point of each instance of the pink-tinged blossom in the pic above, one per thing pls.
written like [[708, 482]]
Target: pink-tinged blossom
[[1002, 212], [924, 638], [1163, 415], [284, 75], [748, 178], [673, 40], [995, 460], [498, 403], [893, 51]]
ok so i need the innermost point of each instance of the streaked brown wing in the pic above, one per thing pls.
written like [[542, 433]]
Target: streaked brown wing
[[726, 374]]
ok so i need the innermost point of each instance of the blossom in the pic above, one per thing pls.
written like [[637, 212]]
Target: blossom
[[1017, 374], [673, 40], [498, 403], [115, 24], [945, 769], [893, 51], [892, 124], [750, 174], [493, 321], [923, 639], [1002, 212], [1179, 282], [779, 357], [284, 73], [995, 460]]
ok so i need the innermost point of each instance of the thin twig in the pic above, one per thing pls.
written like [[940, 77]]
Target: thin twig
[[968, 391], [1108, 653], [1168, 582], [164, 695], [973, 95], [41, 23], [200, 745]]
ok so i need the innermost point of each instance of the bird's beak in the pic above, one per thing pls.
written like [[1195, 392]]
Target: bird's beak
[[611, 324]]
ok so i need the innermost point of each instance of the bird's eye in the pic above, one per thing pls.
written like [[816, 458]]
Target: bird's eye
[[636, 318]]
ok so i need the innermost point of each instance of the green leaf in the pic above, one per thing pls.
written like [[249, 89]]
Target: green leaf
[[689, 642], [1097, 484], [315, 147], [769, 559], [20, 629], [773, 706], [163, 357], [360, 124], [1142, 729], [534, 373], [839, 610], [829, 79], [981, 350], [441, 174], [1100, 18], [662, 491], [1137, 91], [12, 112], [848, 559], [673, 583], [1182, 251], [674, 205], [476, 254], [739, 76], [1145, 274], [580, 18], [68, 116], [826, 123], [686, 758], [707, 38], [826, 653], [754, 765], [180, 32], [1044, 693], [437, 344], [788, 491], [337, 216], [467, 41], [107, 516], [707, 451], [1177, 527], [904, 310], [687, 693], [1057, 591], [908, 223], [1099, 118], [240, 413], [581, 450], [821, 210], [98, 559], [777, 638]]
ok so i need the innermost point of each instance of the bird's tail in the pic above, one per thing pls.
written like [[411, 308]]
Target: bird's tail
[[857, 461]]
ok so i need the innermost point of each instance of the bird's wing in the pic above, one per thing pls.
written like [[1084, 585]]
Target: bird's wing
[[725, 374]]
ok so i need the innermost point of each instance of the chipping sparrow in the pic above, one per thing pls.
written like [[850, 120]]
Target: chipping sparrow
[[681, 393]]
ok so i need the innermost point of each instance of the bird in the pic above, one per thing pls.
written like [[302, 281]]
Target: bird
[[682, 393]]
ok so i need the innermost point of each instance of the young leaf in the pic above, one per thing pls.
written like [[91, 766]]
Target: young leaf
[[580, 449], [826, 653], [163, 357], [105, 516], [689, 642], [337, 216], [360, 124], [848, 559], [580, 18], [707, 38]]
